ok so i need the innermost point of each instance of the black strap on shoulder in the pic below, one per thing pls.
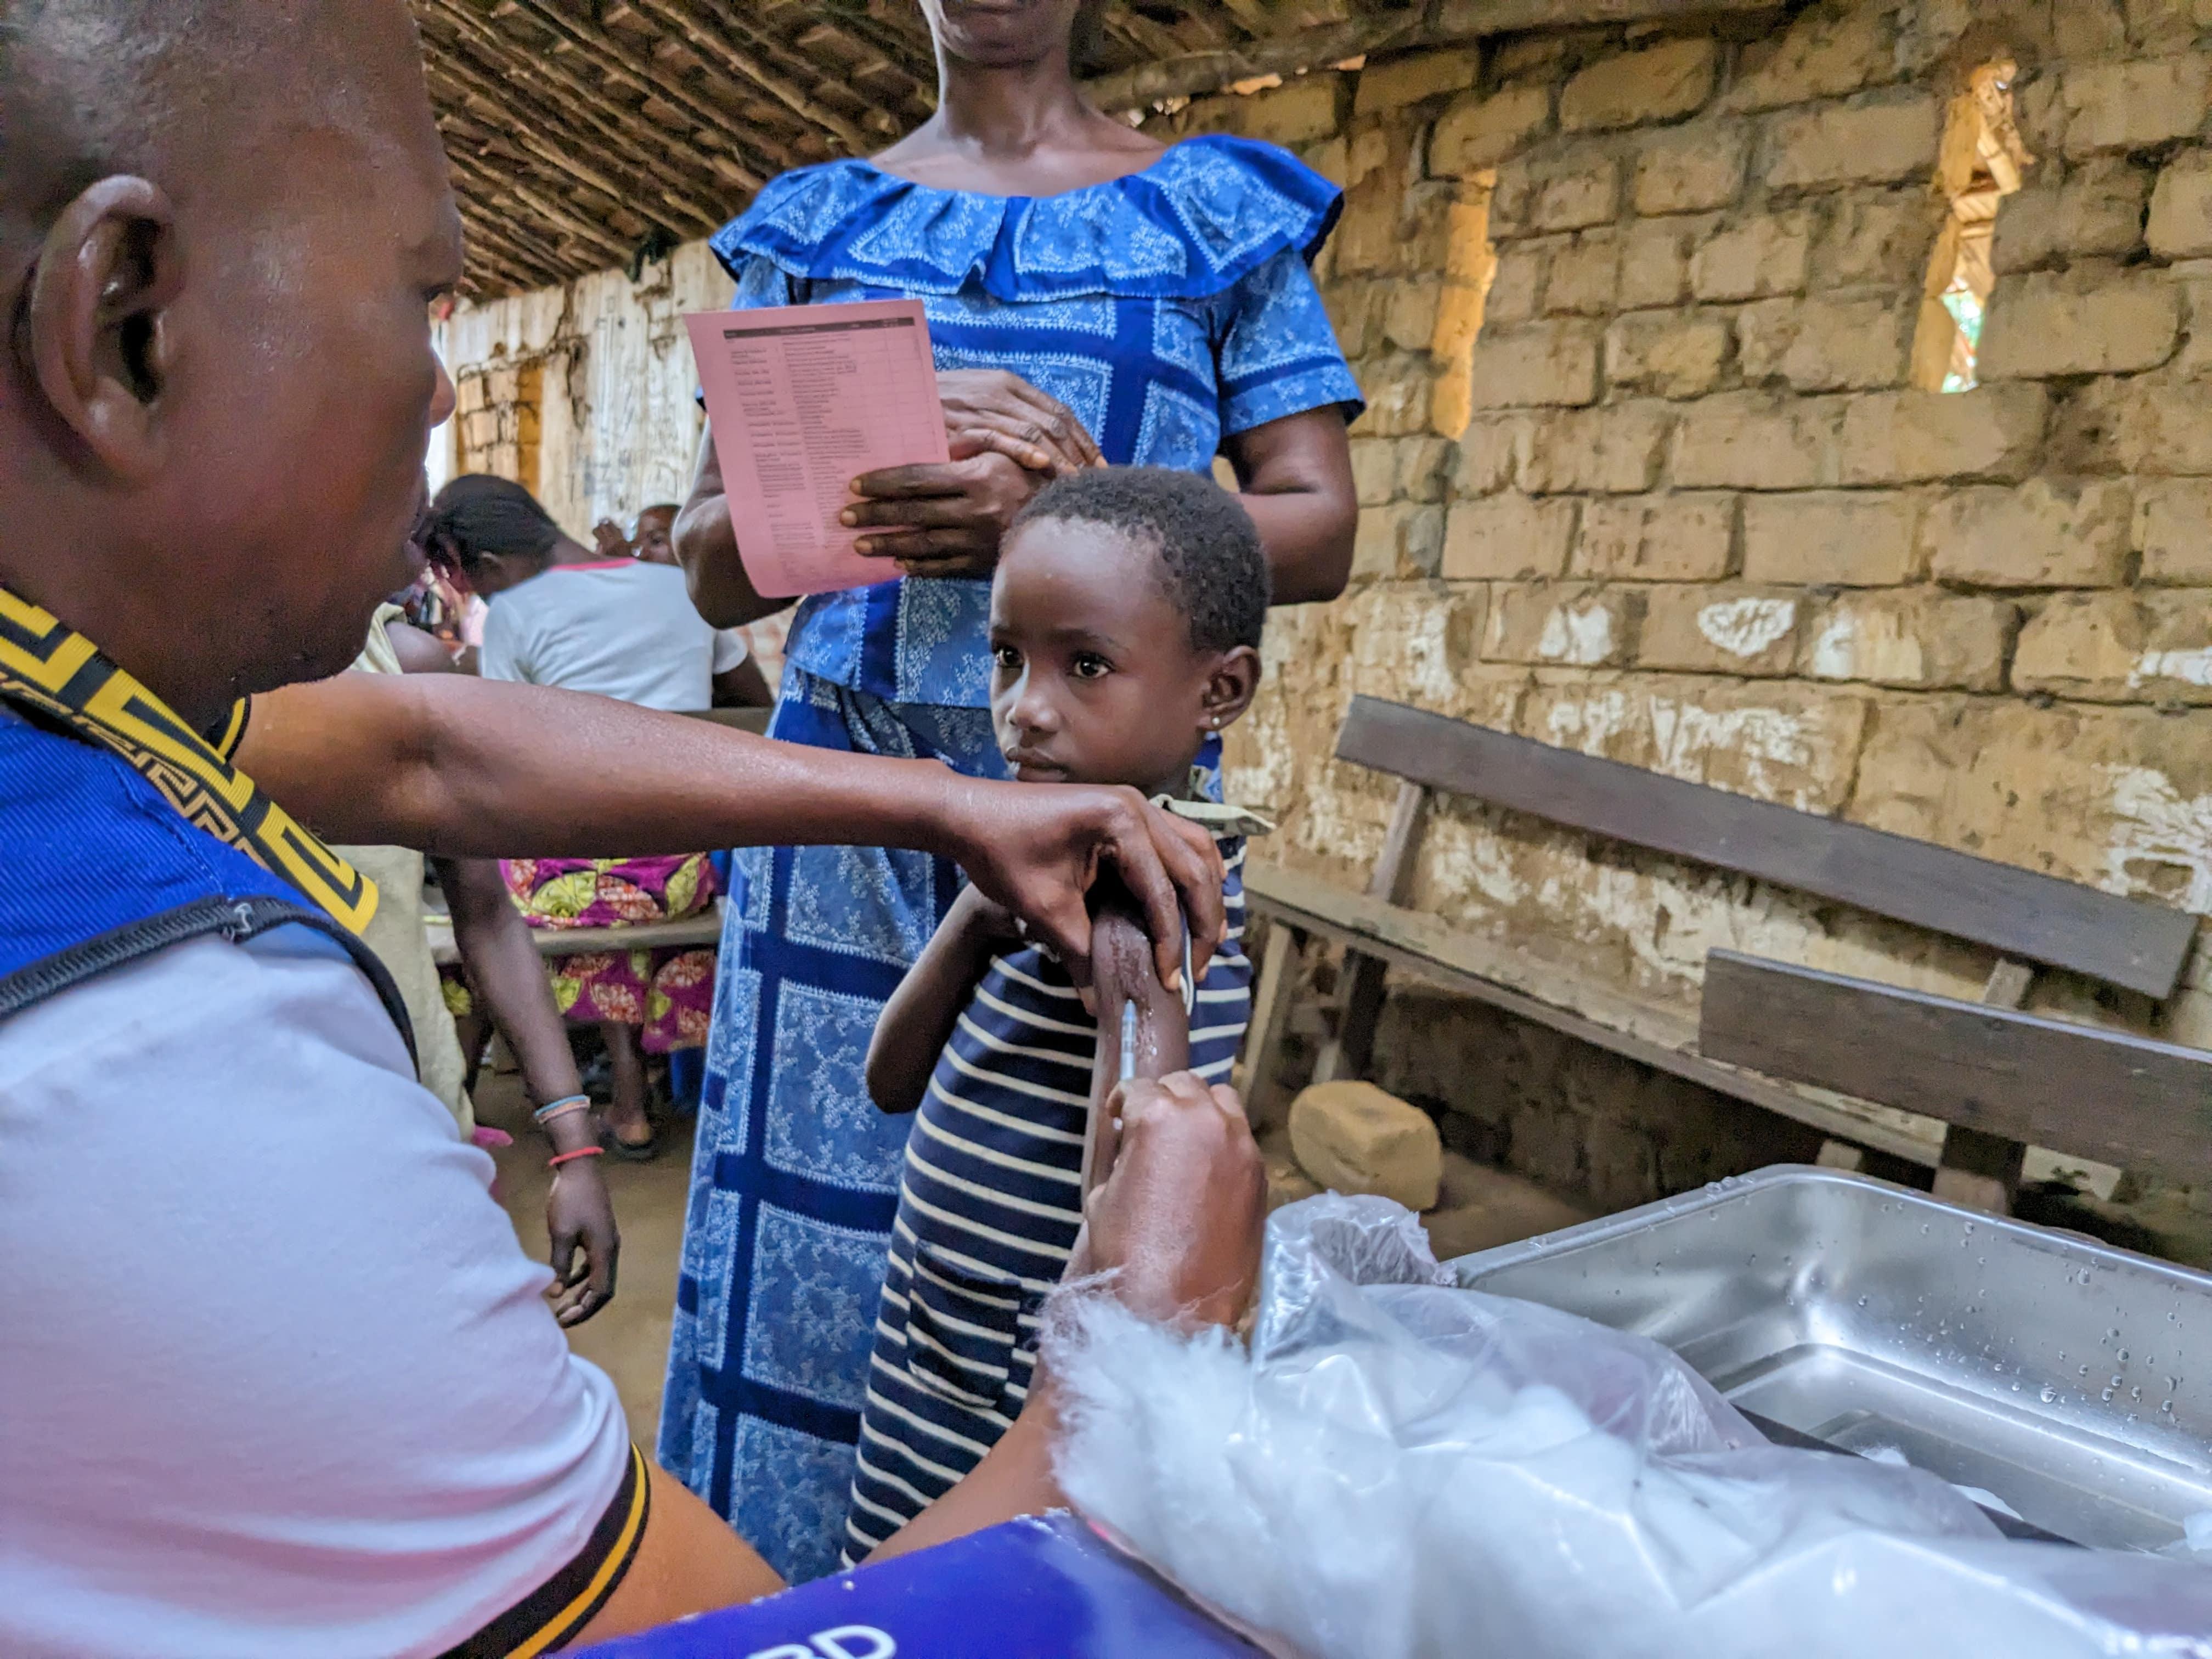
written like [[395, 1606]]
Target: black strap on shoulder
[[549, 1618], [235, 919]]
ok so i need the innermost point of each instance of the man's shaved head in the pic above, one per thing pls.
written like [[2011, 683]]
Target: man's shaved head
[[220, 222]]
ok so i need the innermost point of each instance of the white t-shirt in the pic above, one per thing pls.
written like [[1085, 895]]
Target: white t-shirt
[[621, 628], [274, 1377]]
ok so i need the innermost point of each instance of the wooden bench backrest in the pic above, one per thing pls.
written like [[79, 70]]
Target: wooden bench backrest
[[2109, 1096], [2017, 912]]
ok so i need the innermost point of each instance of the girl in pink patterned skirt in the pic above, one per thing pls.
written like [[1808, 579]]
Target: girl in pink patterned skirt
[[651, 1002], [561, 615]]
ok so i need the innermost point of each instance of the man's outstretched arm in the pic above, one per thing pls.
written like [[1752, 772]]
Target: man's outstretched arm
[[460, 767]]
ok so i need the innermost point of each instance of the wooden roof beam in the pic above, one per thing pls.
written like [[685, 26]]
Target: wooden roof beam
[[485, 243], [633, 66], [715, 46], [636, 192], [1194, 73], [609, 117]]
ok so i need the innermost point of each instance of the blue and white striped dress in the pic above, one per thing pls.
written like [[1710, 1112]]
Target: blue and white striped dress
[[988, 1214]]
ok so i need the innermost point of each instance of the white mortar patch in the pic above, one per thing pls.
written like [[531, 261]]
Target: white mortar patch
[[2190, 667], [1835, 656], [2155, 825], [1580, 638], [1745, 627]]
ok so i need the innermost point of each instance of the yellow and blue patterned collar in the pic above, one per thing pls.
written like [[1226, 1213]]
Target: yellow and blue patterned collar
[[49, 669]]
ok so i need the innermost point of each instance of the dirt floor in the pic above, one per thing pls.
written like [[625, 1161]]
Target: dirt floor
[[1482, 1207]]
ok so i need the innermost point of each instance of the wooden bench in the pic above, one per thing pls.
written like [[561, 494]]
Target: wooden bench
[[691, 932], [1801, 1055]]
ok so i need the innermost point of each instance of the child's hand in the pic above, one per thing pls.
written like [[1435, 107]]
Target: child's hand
[[579, 1222]]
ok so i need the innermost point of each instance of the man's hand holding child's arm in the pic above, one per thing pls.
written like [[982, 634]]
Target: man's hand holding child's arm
[[1036, 850]]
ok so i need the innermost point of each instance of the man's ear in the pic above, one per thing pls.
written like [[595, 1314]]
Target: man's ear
[[1230, 687], [96, 329]]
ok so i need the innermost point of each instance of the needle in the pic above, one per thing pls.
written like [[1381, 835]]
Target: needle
[[1128, 1039]]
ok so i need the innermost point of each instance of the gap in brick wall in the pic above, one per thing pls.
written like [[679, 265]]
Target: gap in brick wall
[[1981, 162], [1470, 266]]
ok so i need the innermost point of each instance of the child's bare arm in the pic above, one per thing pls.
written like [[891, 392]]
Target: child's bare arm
[[1121, 961], [918, 1021]]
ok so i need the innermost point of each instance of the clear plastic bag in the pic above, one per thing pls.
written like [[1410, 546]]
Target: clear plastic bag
[[1400, 1469]]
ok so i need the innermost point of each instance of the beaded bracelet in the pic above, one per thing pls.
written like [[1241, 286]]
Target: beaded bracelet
[[553, 1109], [557, 1161]]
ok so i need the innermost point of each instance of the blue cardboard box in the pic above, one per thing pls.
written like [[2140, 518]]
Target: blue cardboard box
[[1043, 1587]]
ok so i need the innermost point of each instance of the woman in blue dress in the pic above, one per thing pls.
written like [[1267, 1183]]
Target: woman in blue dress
[[1090, 295]]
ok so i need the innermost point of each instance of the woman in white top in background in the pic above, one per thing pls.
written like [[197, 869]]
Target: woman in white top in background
[[563, 616]]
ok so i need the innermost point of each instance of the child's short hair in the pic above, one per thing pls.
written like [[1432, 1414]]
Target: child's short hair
[[1215, 569]]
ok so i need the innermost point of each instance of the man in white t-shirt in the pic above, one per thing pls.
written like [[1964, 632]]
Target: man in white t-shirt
[[277, 1378], [562, 614]]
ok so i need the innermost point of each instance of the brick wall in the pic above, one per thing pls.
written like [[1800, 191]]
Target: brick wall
[[1679, 506]]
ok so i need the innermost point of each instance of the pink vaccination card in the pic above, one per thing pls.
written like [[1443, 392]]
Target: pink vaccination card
[[804, 399]]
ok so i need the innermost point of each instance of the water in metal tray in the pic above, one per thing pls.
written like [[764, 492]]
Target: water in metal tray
[[2072, 1380]]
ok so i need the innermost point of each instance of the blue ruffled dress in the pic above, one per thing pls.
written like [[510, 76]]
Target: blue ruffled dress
[[1168, 309]]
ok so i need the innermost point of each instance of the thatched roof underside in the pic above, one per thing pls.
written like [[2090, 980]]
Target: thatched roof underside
[[585, 133]]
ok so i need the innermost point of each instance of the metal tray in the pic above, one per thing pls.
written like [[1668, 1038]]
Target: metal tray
[[2072, 1380]]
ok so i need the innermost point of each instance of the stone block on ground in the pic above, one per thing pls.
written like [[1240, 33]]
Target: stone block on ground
[[1353, 1137]]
